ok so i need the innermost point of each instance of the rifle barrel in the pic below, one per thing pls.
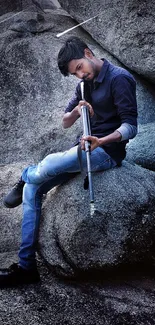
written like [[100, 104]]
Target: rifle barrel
[[87, 131]]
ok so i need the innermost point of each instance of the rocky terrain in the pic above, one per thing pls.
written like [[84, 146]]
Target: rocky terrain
[[93, 270]]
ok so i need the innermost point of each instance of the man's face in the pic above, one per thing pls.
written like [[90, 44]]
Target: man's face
[[83, 68]]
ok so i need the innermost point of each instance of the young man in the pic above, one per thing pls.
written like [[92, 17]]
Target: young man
[[110, 94]]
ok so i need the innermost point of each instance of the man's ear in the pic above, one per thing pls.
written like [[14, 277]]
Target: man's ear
[[88, 53]]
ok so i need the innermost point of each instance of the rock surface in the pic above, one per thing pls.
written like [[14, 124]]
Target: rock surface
[[9, 6], [126, 31], [30, 79], [18, 5], [141, 150], [10, 219], [31, 111], [119, 301], [41, 4], [121, 232], [145, 101]]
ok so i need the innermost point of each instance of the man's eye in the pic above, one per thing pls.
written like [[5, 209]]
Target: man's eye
[[79, 67]]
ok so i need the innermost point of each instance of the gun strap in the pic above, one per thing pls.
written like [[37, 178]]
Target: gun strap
[[86, 181]]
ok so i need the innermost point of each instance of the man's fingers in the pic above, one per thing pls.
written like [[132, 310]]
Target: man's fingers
[[83, 102], [87, 138], [83, 140], [82, 144], [94, 141]]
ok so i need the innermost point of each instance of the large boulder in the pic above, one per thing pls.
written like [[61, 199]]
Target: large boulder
[[120, 232], [34, 94], [119, 300], [124, 301], [31, 84], [127, 30], [145, 100], [141, 150], [128, 301]]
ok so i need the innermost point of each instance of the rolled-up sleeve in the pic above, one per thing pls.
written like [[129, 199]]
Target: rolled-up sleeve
[[127, 131]]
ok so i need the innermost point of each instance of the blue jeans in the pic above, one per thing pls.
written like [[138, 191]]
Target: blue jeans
[[53, 170]]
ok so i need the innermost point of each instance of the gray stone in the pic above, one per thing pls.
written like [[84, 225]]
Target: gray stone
[[121, 232], [31, 26], [10, 219], [145, 100], [126, 30], [9, 5], [141, 150], [34, 94], [124, 299], [119, 301], [41, 4], [31, 86], [33, 97]]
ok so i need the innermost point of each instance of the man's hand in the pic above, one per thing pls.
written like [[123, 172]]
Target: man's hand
[[94, 142], [84, 103], [98, 142], [70, 117]]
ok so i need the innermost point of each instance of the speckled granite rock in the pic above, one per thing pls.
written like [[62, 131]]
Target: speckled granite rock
[[31, 108], [34, 94], [126, 300], [126, 30], [141, 150], [122, 232]]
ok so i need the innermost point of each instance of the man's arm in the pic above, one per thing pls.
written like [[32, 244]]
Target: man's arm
[[124, 94], [70, 117], [73, 110], [97, 142], [124, 132]]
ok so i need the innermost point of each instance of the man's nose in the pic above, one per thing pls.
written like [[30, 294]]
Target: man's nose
[[80, 74]]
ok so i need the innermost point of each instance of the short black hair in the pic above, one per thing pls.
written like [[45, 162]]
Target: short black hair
[[73, 49]]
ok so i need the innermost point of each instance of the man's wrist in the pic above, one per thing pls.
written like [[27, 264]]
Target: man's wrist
[[76, 111], [113, 137], [101, 141]]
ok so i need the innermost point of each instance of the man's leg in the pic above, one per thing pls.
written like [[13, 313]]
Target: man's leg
[[55, 164], [39, 180], [66, 162], [26, 271], [32, 195], [32, 201], [52, 165]]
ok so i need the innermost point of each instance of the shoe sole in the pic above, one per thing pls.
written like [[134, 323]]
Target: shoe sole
[[11, 207]]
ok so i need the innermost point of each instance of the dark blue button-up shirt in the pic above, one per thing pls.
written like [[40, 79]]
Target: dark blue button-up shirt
[[113, 98]]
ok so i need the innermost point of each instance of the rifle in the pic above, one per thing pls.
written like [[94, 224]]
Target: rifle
[[87, 131]]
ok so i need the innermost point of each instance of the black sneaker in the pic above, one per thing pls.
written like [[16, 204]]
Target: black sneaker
[[14, 197], [16, 275]]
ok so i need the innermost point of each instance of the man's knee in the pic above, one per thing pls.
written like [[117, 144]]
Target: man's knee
[[29, 192]]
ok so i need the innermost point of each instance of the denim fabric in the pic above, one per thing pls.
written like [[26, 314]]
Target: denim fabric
[[53, 170]]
